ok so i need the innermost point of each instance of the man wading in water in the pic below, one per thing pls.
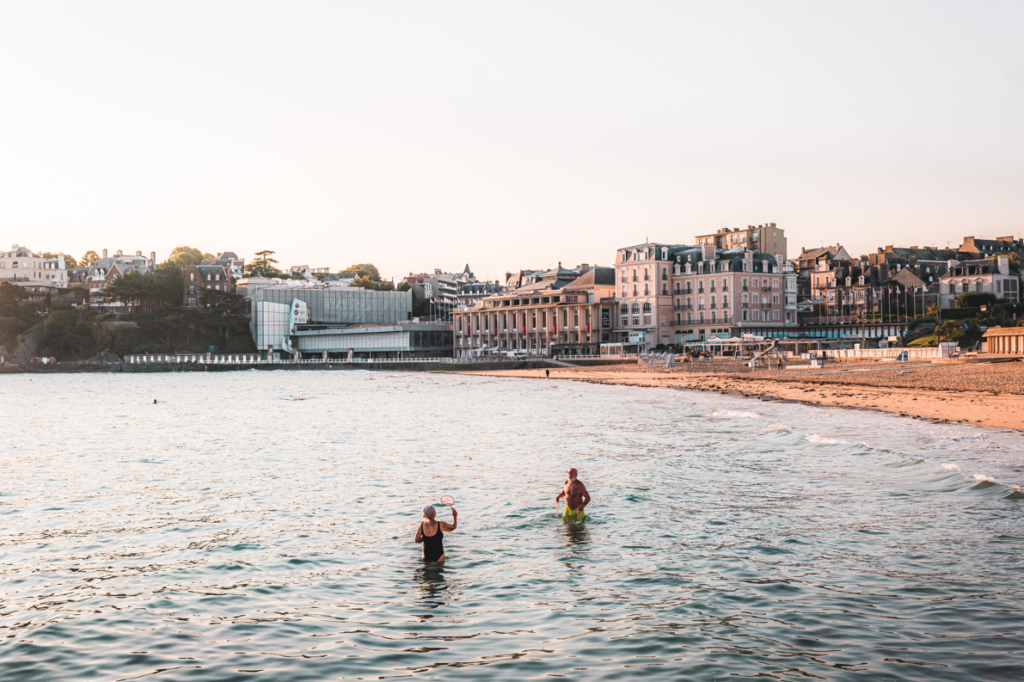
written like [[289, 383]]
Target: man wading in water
[[431, 533], [576, 498]]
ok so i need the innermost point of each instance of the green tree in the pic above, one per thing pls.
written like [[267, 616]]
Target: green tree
[[11, 297], [184, 256], [127, 341], [70, 262], [89, 259], [364, 270], [263, 264], [976, 299], [67, 336]]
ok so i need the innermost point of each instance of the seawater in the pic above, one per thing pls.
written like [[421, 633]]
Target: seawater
[[259, 525]]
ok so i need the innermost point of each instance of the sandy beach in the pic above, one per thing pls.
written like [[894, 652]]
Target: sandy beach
[[985, 394]]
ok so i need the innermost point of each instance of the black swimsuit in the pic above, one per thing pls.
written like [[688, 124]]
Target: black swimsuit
[[433, 548]]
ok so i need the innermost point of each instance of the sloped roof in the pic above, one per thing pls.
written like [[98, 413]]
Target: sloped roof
[[595, 276]]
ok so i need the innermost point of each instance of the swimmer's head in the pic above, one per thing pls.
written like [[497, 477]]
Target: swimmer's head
[[572, 474], [429, 512]]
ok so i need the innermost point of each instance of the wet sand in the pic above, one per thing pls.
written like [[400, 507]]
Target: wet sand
[[980, 393]]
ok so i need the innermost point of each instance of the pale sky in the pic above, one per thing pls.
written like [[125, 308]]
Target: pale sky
[[506, 135]]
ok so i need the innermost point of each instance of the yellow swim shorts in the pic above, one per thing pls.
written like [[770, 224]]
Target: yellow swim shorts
[[573, 514]]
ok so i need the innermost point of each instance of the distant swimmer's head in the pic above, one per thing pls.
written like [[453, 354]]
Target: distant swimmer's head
[[573, 474], [429, 512]]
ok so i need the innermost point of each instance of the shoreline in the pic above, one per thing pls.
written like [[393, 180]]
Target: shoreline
[[936, 398]]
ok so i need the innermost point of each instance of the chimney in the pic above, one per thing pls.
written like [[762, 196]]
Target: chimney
[[1004, 264], [584, 268], [508, 276], [104, 253], [152, 259], [119, 254], [707, 252]]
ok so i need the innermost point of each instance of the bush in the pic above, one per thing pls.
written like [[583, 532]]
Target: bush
[[127, 341], [976, 299], [924, 342], [959, 313]]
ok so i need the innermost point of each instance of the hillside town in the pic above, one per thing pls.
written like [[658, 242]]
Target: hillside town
[[731, 288]]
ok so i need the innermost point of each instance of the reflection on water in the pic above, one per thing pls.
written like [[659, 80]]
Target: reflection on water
[[431, 586], [226, 534]]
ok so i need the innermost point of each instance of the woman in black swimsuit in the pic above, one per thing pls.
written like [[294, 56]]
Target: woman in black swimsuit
[[431, 534]]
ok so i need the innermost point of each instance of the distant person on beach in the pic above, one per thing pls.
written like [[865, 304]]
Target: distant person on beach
[[576, 497], [547, 374], [430, 534]]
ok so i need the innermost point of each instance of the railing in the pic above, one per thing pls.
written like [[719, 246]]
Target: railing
[[746, 305]]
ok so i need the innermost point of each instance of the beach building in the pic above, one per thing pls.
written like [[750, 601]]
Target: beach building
[[562, 312], [767, 238], [37, 274], [342, 322], [197, 278], [993, 275], [1004, 340]]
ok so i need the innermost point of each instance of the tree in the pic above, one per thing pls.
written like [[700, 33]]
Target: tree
[[67, 335], [11, 296], [70, 262], [263, 264], [364, 270], [184, 256], [89, 259], [976, 299]]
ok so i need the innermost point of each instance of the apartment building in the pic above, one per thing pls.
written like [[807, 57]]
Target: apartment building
[[37, 274], [767, 238], [726, 293]]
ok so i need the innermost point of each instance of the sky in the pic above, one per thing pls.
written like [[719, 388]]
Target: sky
[[416, 135]]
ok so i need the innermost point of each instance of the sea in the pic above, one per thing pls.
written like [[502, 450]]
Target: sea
[[259, 526]]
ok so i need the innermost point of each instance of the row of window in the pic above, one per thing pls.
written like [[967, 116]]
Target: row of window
[[520, 320]]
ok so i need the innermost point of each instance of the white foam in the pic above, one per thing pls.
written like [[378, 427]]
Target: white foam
[[952, 466], [730, 414], [982, 477], [824, 440]]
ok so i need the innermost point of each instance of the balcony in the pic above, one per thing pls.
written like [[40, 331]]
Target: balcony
[[700, 306], [714, 305], [725, 288], [647, 277], [746, 305], [664, 275], [688, 291], [725, 305], [635, 278], [743, 288]]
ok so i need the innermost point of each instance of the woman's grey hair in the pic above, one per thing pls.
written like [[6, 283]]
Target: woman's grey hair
[[429, 512]]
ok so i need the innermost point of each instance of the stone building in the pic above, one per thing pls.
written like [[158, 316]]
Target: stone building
[[562, 312]]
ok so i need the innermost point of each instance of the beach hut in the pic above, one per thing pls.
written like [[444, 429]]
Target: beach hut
[[1004, 341]]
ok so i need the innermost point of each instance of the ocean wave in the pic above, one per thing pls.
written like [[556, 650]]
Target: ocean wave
[[952, 466], [975, 441], [822, 440], [983, 478]]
